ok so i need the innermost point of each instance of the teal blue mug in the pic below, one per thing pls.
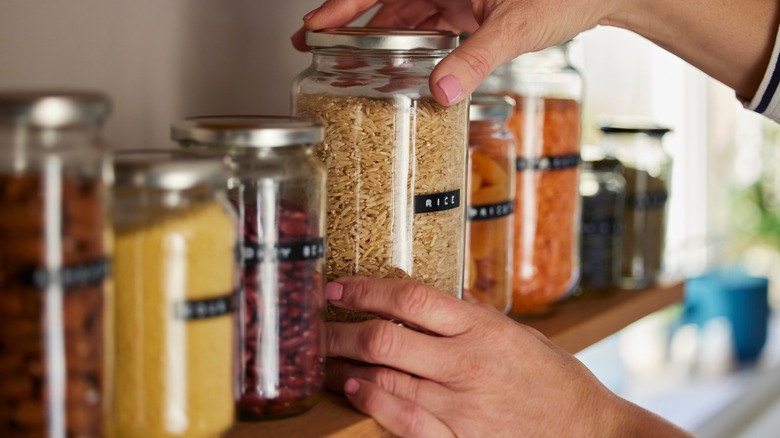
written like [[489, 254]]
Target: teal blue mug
[[740, 298]]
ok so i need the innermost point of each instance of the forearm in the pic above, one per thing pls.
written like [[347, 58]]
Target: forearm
[[730, 40]]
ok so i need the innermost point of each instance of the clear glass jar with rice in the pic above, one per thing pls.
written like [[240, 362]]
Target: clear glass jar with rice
[[396, 159]]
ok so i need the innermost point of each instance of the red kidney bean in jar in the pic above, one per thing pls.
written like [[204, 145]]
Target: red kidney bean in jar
[[278, 189]]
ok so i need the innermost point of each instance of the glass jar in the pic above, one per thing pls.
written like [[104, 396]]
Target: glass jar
[[55, 291], [647, 170], [278, 186], [491, 199], [176, 275], [603, 191], [546, 125], [396, 159]]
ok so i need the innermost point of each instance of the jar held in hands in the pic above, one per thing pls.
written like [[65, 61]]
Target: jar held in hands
[[396, 159]]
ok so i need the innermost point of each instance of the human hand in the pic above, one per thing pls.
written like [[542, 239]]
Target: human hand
[[477, 374], [502, 30]]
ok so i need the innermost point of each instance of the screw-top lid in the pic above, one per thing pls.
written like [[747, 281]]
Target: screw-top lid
[[490, 107], [167, 169], [248, 131], [53, 108], [382, 39]]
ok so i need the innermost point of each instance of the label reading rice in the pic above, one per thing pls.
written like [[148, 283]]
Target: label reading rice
[[434, 202], [491, 211], [207, 308]]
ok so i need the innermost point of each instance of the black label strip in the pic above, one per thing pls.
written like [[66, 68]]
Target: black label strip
[[650, 200], [491, 211], [254, 253], [74, 276], [190, 310], [436, 202], [555, 162], [601, 227]]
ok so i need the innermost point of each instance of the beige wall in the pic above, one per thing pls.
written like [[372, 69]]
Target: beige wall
[[160, 60]]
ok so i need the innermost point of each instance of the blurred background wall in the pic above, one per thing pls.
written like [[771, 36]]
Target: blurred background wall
[[159, 60]]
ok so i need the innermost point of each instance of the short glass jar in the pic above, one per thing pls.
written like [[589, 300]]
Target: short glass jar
[[546, 125], [647, 169], [278, 187], [491, 200], [396, 159], [603, 192], [176, 280], [55, 295]]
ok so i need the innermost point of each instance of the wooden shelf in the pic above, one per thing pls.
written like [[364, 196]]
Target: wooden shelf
[[574, 325]]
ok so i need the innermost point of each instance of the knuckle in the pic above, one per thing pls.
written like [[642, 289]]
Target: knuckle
[[413, 421], [380, 342], [384, 378], [476, 59], [414, 299]]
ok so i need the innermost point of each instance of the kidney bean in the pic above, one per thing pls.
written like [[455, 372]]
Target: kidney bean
[[297, 297]]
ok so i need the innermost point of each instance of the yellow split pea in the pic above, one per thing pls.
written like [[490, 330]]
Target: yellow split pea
[[174, 375]]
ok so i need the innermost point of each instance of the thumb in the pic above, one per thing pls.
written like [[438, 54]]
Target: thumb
[[461, 72]]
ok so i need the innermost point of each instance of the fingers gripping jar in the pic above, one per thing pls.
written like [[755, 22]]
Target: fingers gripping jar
[[546, 125], [396, 159], [491, 199], [278, 188], [54, 264]]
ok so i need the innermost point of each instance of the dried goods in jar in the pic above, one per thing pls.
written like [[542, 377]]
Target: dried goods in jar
[[644, 216], [175, 276], [546, 265], [395, 177], [282, 363], [488, 274], [52, 319]]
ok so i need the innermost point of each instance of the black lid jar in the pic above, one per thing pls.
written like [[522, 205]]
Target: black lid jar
[[647, 169]]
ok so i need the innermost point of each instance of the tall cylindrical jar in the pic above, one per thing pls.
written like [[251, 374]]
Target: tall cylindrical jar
[[176, 275], [55, 293], [647, 170], [603, 191], [491, 199], [396, 159], [278, 187], [546, 125]]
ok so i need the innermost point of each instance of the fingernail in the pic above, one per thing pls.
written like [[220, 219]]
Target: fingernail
[[451, 87], [310, 14], [351, 386], [333, 291]]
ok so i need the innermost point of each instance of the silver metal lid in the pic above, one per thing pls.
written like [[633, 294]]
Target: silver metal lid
[[248, 131], [490, 107], [53, 108], [382, 39], [168, 169]]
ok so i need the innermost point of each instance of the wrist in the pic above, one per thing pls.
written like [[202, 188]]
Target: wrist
[[623, 418]]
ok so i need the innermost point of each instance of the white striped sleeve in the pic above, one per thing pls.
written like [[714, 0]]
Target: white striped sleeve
[[767, 99]]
